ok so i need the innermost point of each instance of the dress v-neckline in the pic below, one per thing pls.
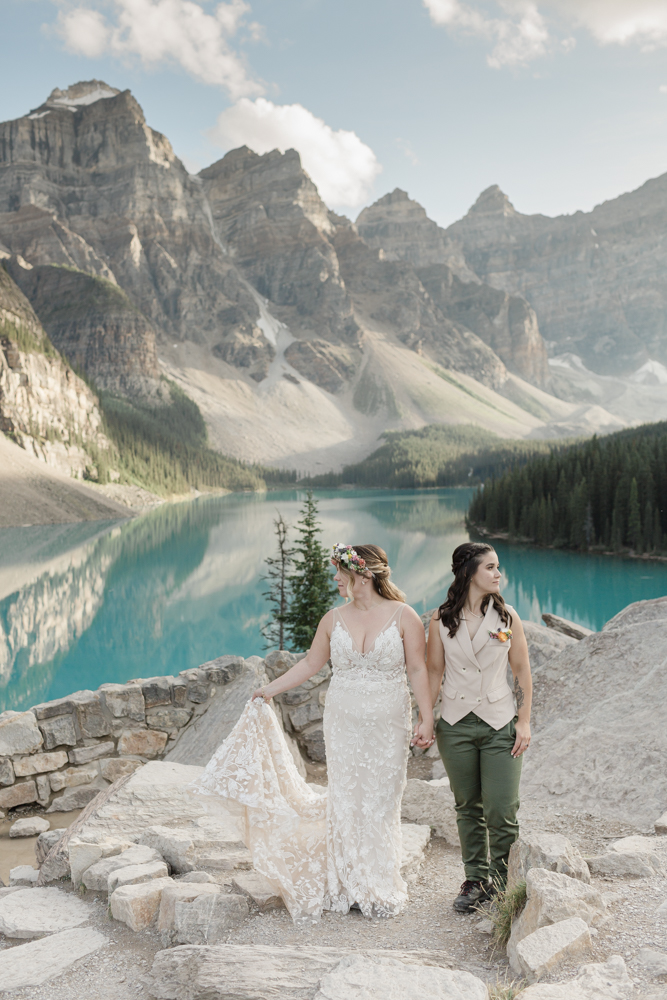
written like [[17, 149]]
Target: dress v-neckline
[[387, 625]]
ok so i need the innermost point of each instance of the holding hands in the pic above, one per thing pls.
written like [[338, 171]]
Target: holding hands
[[423, 735]]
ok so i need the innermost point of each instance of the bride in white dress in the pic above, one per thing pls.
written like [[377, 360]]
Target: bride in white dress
[[337, 847]]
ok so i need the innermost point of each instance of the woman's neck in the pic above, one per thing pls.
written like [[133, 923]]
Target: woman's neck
[[366, 602], [473, 602]]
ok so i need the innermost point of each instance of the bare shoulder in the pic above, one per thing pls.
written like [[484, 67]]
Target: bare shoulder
[[513, 612], [410, 617], [327, 620], [516, 624]]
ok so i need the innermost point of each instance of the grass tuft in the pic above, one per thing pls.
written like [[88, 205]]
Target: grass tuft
[[506, 905], [505, 990]]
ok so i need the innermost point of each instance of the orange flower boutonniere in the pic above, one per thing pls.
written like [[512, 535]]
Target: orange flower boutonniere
[[501, 636]]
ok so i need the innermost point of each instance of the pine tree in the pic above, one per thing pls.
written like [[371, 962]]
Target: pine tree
[[634, 518], [657, 531], [277, 576], [648, 526], [312, 589]]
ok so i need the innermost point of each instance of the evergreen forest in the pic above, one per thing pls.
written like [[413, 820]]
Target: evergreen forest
[[164, 449], [435, 455], [608, 494]]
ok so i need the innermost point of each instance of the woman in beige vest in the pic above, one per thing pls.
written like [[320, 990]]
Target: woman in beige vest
[[485, 725]]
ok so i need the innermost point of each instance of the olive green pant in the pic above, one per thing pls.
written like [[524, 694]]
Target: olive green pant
[[484, 778]]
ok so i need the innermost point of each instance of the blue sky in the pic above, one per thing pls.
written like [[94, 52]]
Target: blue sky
[[558, 101]]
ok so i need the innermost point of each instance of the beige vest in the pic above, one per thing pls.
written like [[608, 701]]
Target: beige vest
[[476, 673]]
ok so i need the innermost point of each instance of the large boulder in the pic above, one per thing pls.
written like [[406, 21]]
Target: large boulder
[[259, 891], [97, 876], [35, 912], [635, 856], [566, 627], [196, 845], [608, 690], [431, 803], [549, 947], [201, 739], [45, 841], [388, 978], [639, 612], [39, 961], [255, 972], [19, 733], [415, 841], [552, 897], [179, 892], [136, 874], [598, 981], [208, 917], [155, 794], [551, 851], [31, 826], [544, 643], [138, 905]]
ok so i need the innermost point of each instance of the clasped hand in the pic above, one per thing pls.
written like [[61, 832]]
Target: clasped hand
[[423, 735]]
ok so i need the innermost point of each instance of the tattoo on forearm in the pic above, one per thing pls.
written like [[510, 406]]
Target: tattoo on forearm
[[518, 693]]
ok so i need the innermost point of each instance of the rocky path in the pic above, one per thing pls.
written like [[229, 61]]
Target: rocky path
[[632, 929]]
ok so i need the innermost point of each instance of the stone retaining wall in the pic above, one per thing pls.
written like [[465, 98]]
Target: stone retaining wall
[[61, 753], [302, 708]]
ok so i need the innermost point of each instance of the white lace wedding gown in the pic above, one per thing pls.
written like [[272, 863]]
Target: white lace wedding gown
[[327, 848]]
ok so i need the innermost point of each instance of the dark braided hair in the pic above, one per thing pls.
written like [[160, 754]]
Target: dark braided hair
[[465, 562]]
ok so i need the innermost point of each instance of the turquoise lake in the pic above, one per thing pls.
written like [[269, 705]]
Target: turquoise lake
[[82, 604]]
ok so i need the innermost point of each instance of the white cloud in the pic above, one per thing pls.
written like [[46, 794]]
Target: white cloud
[[85, 31], [165, 31], [518, 38], [521, 30], [341, 165], [618, 21]]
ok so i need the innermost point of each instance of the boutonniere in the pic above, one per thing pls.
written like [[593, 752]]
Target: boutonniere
[[501, 636]]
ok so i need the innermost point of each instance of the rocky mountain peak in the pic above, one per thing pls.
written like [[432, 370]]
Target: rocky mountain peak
[[493, 200], [80, 94], [400, 227], [274, 180], [396, 206]]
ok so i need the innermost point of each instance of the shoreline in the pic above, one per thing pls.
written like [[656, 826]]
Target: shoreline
[[503, 536]]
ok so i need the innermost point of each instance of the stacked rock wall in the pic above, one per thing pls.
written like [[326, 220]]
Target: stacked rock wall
[[302, 708], [61, 753]]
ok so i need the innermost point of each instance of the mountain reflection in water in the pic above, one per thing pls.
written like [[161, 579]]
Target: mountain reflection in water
[[84, 604]]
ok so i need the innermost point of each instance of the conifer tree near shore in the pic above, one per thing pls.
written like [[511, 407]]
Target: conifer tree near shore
[[277, 576], [312, 591]]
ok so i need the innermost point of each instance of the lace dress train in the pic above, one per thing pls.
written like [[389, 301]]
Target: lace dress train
[[327, 848]]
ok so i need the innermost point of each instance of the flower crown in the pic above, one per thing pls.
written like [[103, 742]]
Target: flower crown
[[349, 558]]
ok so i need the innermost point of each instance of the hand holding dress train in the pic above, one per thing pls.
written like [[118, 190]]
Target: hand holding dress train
[[328, 848]]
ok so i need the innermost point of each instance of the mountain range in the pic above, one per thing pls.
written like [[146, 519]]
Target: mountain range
[[301, 335]]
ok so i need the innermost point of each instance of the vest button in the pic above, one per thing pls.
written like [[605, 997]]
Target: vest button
[[462, 697], [464, 669], [479, 699]]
